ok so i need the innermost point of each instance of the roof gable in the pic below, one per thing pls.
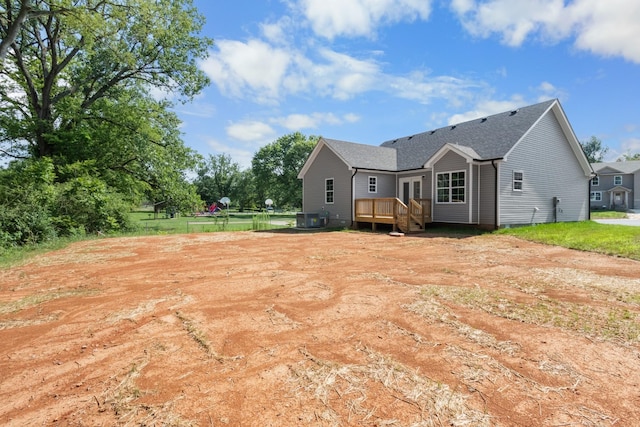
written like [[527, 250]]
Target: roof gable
[[354, 156], [466, 152]]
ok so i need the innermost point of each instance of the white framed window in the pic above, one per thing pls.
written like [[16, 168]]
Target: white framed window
[[450, 187], [595, 181], [596, 196], [617, 180], [518, 178], [373, 184], [328, 191]]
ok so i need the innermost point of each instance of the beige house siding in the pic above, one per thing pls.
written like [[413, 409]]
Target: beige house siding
[[328, 165]]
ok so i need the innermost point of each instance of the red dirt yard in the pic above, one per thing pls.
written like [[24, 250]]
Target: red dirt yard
[[323, 329]]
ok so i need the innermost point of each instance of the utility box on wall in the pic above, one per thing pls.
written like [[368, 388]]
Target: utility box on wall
[[308, 220]]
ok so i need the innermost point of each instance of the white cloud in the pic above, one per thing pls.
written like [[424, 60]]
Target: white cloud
[[606, 28], [279, 32], [344, 75], [295, 122], [197, 109], [251, 131], [421, 87], [353, 18], [548, 91], [255, 66], [306, 121], [263, 73], [486, 108], [351, 118], [630, 146], [240, 154]]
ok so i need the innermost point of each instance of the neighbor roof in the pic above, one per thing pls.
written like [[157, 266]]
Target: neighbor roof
[[491, 137], [630, 167]]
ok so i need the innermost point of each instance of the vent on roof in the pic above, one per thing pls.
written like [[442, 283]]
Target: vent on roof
[[394, 141], [453, 127], [513, 112], [432, 132], [410, 137], [484, 119]]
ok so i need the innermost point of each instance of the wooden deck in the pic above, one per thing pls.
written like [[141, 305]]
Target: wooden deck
[[393, 211]]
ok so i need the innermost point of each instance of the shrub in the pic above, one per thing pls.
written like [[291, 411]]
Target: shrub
[[26, 193]]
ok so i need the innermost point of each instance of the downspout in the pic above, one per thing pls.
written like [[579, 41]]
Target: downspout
[[495, 197], [589, 199], [353, 212]]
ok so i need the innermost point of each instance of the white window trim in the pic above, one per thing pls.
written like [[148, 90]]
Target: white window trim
[[514, 180], [595, 183], [595, 199], [450, 188], [375, 184], [615, 178], [333, 191]]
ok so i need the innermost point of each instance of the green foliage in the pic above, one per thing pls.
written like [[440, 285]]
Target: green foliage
[[276, 167], [87, 205], [34, 208], [261, 221], [627, 157], [594, 150], [245, 193], [218, 177], [618, 240], [26, 193], [76, 94]]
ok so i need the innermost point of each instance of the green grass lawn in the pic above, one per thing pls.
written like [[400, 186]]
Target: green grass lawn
[[617, 240], [237, 221], [608, 215]]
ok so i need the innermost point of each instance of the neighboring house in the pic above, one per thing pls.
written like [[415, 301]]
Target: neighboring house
[[519, 167], [615, 185]]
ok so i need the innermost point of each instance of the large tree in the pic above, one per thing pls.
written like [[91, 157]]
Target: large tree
[[78, 76], [594, 150], [217, 177], [276, 166]]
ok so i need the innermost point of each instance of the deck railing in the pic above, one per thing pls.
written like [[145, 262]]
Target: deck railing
[[381, 211], [392, 210]]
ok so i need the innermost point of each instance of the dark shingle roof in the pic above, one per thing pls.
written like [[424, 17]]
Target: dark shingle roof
[[490, 137], [363, 156]]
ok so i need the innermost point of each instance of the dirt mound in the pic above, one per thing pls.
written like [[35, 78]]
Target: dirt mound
[[275, 329]]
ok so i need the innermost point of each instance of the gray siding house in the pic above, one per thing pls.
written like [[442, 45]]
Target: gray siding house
[[616, 186], [519, 167]]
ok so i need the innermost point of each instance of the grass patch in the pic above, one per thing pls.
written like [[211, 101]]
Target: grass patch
[[22, 254], [617, 240], [36, 299], [353, 393], [225, 221], [612, 323], [196, 334], [608, 215]]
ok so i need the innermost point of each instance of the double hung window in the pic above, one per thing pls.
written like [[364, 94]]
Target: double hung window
[[328, 190], [518, 179], [450, 187], [373, 184]]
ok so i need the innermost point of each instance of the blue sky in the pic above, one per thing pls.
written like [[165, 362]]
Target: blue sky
[[371, 70]]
